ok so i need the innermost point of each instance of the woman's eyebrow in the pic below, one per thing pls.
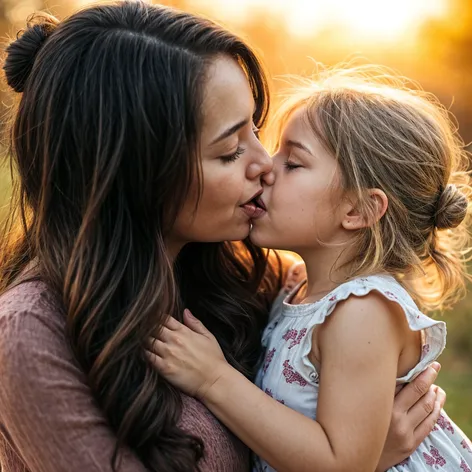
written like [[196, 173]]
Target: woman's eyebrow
[[230, 131]]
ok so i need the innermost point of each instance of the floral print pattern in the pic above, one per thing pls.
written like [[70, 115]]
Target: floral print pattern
[[294, 336], [466, 446], [435, 459], [464, 466], [445, 424], [268, 359], [291, 376]]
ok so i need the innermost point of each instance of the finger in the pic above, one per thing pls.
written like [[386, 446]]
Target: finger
[[422, 409], [411, 393], [426, 426], [155, 346], [295, 268], [194, 324], [294, 273], [173, 324], [165, 334], [441, 396], [155, 360]]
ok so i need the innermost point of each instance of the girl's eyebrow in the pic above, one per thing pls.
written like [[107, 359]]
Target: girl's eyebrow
[[299, 145]]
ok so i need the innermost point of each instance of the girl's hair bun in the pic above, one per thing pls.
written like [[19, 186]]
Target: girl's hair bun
[[21, 53], [451, 209]]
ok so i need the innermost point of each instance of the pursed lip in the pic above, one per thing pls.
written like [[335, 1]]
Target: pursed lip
[[252, 207], [254, 197], [261, 203]]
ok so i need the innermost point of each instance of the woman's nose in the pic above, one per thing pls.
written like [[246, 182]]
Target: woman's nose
[[261, 164]]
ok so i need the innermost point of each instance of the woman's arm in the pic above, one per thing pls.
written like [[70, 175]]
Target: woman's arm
[[46, 408], [275, 432]]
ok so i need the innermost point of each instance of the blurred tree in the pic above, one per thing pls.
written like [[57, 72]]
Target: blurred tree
[[448, 51]]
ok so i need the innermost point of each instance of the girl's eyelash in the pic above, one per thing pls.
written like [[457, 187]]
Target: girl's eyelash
[[234, 156], [290, 165]]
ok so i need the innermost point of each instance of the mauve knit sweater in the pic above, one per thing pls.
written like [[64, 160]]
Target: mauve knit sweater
[[49, 421]]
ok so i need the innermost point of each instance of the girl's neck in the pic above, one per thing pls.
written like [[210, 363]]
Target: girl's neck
[[325, 271]]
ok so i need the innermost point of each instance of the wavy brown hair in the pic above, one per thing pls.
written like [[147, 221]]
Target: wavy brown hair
[[104, 146]]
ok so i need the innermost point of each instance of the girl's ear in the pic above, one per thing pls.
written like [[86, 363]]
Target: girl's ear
[[354, 219]]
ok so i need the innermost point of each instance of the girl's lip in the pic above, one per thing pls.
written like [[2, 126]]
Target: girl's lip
[[252, 210], [260, 202]]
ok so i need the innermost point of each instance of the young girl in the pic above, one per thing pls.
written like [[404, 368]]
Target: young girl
[[370, 188]]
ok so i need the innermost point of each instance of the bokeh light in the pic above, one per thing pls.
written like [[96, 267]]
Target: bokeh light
[[379, 19]]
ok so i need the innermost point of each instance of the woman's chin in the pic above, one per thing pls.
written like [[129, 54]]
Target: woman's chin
[[238, 234]]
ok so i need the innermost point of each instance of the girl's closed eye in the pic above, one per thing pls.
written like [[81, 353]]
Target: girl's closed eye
[[232, 157], [291, 165]]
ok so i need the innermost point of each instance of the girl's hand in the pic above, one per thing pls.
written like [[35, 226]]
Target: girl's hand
[[295, 274], [188, 356], [415, 412]]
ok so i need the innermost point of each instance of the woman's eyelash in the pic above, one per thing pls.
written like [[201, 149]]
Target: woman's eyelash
[[290, 165], [234, 156]]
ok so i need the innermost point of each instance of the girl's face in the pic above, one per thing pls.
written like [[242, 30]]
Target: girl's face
[[232, 161], [304, 204]]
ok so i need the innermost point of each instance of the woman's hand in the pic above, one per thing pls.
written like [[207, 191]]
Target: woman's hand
[[415, 412], [188, 356]]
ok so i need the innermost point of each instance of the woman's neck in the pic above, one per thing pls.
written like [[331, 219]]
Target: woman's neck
[[173, 249]]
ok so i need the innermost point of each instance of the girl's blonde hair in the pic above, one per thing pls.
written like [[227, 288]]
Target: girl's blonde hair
[[386, 133]]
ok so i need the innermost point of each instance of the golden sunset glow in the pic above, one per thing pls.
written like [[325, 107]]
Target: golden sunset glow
[[382, 19]]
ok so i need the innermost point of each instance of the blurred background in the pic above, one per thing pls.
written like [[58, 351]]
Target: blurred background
[[429, 41]]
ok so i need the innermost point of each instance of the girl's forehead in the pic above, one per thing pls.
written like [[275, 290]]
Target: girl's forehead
[[296, 120], [297, 124]]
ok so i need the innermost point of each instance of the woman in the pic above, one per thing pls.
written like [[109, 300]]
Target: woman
[[137, 152]]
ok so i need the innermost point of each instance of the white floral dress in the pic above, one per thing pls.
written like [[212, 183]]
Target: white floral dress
[[287, 374]]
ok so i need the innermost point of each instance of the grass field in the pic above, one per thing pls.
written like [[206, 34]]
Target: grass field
[[456, 373]]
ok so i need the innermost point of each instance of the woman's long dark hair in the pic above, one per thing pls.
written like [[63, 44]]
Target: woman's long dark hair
[[104, 144]]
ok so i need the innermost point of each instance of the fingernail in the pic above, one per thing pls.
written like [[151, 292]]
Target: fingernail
[[436, 366], [188, 313]]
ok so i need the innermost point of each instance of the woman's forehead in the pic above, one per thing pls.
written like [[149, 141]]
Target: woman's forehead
[[227, 99]]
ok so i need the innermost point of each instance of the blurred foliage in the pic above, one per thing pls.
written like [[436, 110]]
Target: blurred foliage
[[437, 55]]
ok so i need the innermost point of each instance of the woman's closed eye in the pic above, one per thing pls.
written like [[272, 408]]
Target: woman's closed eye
[[232, 157]]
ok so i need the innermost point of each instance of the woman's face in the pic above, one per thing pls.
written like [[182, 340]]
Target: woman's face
[[232, 162]]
